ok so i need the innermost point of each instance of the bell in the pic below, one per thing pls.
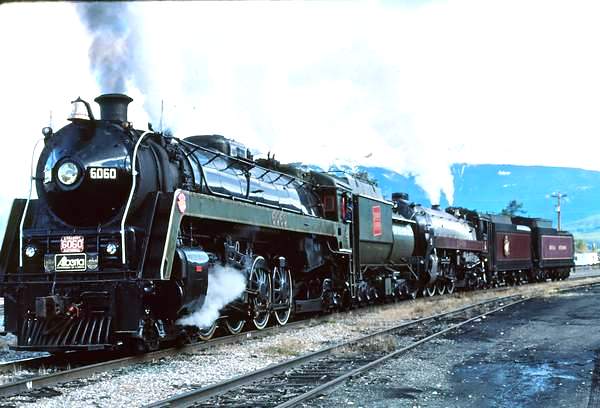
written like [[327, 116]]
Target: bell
[[81, 110]]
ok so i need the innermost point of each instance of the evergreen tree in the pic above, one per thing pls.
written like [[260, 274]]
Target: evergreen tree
[[513, 208], [365, 176], [581, 245]]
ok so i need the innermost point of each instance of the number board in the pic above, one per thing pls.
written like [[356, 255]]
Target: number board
[[71, 243], [103, 173]]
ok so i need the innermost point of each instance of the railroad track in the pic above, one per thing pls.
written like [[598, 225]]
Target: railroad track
[[35, 382], [82, 358], [300, 379], [87, 364]]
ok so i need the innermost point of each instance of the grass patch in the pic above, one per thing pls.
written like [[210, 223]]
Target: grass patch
[[423, 307], [287, 347], [386, 343]]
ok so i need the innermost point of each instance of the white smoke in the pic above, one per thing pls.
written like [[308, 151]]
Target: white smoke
[[411, 86], [116, 54], [225, 284], [285, 93]]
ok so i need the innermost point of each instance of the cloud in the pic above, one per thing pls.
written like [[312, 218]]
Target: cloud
[[411, 88], [39, 75]]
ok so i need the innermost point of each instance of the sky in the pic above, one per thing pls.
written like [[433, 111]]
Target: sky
[[409, 86]]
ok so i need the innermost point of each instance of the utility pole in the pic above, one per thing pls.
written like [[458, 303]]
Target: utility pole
[[558, 196]]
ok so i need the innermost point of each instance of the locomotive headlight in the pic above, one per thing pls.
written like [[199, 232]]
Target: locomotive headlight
[[68, 173], [111, 248], [47, 131], [30, 251]]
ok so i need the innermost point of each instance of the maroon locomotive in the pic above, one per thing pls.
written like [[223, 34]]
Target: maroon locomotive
[[521, 249]]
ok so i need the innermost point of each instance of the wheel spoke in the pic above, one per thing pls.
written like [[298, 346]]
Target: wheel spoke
[[282, 294], [260, 283]]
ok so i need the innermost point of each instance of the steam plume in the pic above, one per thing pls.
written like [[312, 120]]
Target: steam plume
[[112, 50], [225, 284], [117, 54], [238, 87]]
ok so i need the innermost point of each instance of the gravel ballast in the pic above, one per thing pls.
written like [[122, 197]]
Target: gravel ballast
[[148, 382]]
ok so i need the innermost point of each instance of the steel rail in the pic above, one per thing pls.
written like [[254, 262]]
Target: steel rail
[[31, 362]]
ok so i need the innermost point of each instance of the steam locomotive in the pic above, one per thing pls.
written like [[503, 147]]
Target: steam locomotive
[[129, 226]]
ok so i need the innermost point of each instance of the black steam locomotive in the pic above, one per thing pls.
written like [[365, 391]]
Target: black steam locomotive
[[129, 225]]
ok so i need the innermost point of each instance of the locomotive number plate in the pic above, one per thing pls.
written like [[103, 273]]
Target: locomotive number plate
[[70, 262], [71, 243], [279, 219], [103, 173]]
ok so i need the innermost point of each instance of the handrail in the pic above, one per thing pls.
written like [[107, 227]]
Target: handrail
[[134, 174], [31, 179], [240, 161]]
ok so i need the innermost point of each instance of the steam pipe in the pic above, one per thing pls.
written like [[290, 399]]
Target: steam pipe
[[134, 174], [32, 178]]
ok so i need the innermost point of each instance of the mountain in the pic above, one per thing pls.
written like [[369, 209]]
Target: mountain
[[490, 187]]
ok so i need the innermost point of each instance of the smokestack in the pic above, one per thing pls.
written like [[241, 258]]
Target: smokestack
[[113, 107]]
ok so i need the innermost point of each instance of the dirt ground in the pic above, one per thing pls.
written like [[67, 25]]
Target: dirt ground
[[542, 353]]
